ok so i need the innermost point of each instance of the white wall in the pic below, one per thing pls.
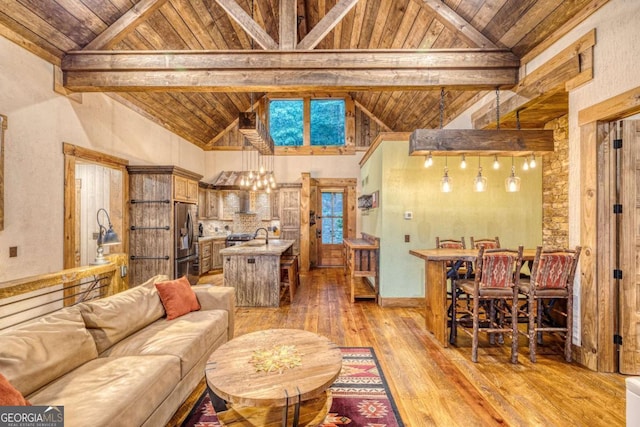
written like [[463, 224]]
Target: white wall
[[39, 122]]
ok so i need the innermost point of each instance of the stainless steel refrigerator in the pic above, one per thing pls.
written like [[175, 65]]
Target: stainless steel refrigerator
[[186, 255]]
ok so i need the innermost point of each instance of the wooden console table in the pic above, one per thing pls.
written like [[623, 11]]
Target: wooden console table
[[361, 261]]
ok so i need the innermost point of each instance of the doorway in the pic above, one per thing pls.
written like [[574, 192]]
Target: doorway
[[330, 227]]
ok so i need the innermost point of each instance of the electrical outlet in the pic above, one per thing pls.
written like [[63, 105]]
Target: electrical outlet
[[407, 238], [13, 251]]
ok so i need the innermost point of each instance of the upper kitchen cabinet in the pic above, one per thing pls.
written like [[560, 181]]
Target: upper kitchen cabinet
[[208, 202], [185, 188]]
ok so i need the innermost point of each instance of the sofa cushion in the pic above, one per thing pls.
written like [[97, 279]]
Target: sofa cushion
[[177, 297], [113, 318], [9, 395], [112, 391], [187, 337], [38, 352]]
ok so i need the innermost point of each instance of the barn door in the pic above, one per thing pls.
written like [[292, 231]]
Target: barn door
[[629, 247]]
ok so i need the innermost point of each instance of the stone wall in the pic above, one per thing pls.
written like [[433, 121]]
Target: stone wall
[[555, 187]]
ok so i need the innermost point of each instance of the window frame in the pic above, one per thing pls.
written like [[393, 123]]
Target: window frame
[[306, 148]]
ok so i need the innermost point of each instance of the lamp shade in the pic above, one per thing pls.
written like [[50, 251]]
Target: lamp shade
[[110, 237]]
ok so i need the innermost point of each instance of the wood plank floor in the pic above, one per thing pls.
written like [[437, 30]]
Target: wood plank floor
[[436, 386]]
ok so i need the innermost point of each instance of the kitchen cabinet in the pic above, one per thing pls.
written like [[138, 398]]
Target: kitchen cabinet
[[209, 250], [216, 256], [153, 191], [185, 189], [204, 251], [208, 201]]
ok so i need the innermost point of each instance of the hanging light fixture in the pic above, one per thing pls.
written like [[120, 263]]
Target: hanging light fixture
[[463, 162], [445, 183], [532, 162], [496, 163], [512, 183], [480, 182], [428, 160]]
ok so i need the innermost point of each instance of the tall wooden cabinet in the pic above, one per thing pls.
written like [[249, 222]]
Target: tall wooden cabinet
[[153, 190], [289, 213]]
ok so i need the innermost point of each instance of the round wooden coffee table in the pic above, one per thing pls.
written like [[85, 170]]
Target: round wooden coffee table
[[296, 393]]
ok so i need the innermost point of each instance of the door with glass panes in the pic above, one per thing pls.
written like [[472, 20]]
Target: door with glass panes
[[330, 227]]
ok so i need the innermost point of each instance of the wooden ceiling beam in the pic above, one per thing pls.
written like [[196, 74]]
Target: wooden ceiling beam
[[479, 142], [326, 24], [288, 24], [124, 25], [253, 29], [459, 24]]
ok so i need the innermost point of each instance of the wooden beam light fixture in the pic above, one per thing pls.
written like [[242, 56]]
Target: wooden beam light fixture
[[256, 132]]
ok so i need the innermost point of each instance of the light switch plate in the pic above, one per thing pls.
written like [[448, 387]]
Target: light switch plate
[[408, 215]]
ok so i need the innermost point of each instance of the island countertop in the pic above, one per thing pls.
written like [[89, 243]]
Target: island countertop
[[258, 247]]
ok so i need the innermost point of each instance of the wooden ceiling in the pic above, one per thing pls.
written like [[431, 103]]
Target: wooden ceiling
[[135, 36]]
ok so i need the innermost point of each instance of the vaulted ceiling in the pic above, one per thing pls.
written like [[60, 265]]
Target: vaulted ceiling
[[171, 59]]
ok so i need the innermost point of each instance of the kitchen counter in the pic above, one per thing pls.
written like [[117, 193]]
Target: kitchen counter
[[253, 269], [258, 247], [211, 237]]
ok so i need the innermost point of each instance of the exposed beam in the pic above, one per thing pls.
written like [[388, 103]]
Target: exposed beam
[[373, 117], [288, 24], [124, 25], [269, 71], [458, 23], [326, 24], [255, 31], [550, 78], [479, 142]]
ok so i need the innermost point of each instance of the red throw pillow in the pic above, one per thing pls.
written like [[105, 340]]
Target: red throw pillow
[[177, 297], [9, 395]]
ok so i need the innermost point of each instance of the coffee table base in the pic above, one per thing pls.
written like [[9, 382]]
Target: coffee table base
[[312, 413]]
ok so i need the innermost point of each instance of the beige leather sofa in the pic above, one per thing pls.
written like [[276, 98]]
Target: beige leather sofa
[[117, 361]]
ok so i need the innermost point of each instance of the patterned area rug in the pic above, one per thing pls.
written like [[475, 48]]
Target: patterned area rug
[[361, 397]]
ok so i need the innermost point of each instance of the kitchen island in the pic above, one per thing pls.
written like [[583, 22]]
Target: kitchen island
[[253, 269]]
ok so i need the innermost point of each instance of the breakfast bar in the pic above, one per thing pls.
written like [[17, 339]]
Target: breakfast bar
[[253, 269]]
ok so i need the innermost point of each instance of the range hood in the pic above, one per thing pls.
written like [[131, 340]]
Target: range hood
[[245, 203]]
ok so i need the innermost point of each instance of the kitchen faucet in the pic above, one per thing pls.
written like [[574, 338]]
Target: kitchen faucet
[[266, 237]]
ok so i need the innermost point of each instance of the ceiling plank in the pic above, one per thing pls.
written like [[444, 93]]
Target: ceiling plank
[[277, 71], [477, 141], [372, 116], [459, 24], [124, 25], [326, 24], [255, 31]]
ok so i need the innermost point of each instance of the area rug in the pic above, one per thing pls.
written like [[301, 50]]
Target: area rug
[[361, 397]]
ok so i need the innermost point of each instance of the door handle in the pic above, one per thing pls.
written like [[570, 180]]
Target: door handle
[[318, 233]]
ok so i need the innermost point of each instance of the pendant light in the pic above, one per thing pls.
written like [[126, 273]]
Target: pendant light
[[428, 160], [532, 162], [463, 162], [480, 182], [445, 183], [496, 163], [512, 183]]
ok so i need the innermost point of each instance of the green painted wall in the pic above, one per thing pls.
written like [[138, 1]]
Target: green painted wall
[[405, 185]]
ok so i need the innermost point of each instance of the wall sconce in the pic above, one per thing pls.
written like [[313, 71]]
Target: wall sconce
[[512, 183], [480, 182], [106, 237]]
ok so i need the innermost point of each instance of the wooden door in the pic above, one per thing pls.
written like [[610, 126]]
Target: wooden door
[[313, 225], [330, 227], [289, 205], [629, 248]]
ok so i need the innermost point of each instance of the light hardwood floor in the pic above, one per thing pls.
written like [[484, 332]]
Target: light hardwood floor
[[436, 386]]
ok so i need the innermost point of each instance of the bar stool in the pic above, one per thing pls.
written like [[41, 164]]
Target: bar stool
[[289, 268]]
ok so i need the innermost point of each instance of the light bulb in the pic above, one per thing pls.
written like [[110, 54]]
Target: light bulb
[[261, 169], [273, 184], [512, 183], [480, 183], [428, 161], [254, 188], [532, 162], [445, 184], [496, 163], [250, 174], [242, 181], [268, 190], [463, 163], [525, 165]]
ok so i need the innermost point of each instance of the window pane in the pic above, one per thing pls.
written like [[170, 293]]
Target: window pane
[[327, 121], [285, 122], [332, 223]]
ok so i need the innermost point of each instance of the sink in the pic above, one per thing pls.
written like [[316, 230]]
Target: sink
[[255, 242]]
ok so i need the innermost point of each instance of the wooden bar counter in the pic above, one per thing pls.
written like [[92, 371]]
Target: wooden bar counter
[[253, 269], [435, 284]]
